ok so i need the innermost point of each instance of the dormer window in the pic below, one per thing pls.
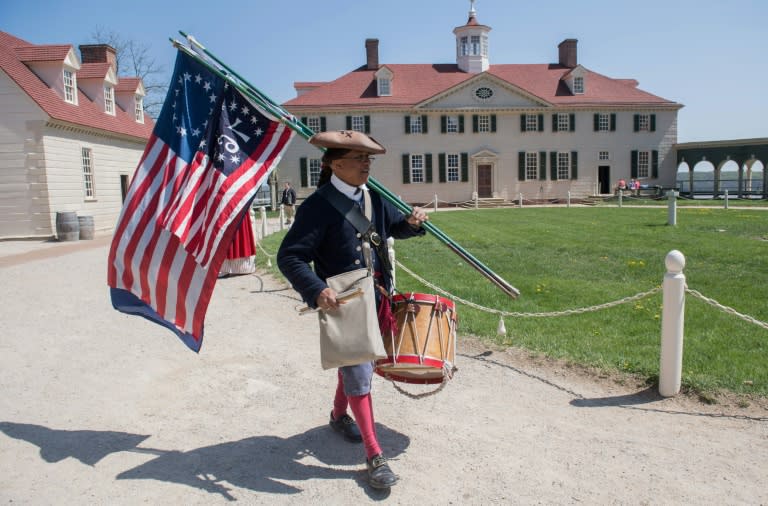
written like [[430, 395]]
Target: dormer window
[[70, 87], [385, 87], [578, 85], [139, 108], [109, 100], [384, 81]]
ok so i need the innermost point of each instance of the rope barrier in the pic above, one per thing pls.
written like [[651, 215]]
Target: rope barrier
[[566, 312], [727, 309]]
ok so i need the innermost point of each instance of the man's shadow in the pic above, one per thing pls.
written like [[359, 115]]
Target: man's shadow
[[259, 463]]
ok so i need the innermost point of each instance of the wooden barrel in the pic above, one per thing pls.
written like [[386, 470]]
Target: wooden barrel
[[67, 226], [86, 227]]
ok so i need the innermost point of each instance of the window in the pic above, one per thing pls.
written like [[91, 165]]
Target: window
[[87, 161], [70, 87], [452, 124], [531, 123], [464, 46], [578, 85], [563, 122], [603, 156], [563, 165], [475, 42], [643, 164], [313, 122], [452, 167], [415, 124], [385, 88], [358, 123], [603, 122], [484, 123], [417, 168], [643, 122], [139, 108], [109, 100], [485, 45], [314, 171], [531, 166], [483, 93]]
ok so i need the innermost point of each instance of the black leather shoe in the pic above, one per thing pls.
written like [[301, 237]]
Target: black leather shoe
[[379, 473], [347, 428]]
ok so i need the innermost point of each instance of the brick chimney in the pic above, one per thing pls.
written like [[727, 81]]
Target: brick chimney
[[567, 53], [372, 54], [99, 53]]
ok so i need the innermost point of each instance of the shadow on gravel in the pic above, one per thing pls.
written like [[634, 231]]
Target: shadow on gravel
[[259, 463]]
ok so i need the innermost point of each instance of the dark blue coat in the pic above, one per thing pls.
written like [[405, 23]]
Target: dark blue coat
[[320, 234]]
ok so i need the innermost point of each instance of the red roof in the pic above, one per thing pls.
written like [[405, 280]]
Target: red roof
[[85, 113], [413, 84], [42, 53], [93, 70], [127, 84]]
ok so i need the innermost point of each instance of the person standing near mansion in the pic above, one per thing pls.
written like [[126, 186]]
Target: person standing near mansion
[[288, 200]]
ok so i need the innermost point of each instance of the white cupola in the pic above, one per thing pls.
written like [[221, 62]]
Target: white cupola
[[472, 44]]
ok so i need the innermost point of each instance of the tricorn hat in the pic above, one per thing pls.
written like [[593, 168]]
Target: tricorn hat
[[347, 139]]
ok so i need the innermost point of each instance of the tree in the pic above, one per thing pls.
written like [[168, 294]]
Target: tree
[[134, 60]]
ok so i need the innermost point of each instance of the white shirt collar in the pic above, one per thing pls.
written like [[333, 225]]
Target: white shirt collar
[[347, 189]]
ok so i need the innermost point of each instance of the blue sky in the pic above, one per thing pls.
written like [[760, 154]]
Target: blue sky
[[709, 56]]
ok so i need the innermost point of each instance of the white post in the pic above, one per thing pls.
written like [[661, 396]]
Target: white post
[[672, 324], [435, 202], [671, 207], [725, 204], [621, 196], [521, 200], [391, 250], [254, 227], [569, 199], [282, 217], [263, 211]]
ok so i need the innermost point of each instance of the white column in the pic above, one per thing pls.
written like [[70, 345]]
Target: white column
[[671, 207], [282, 217], [672, 325], [263, 211]]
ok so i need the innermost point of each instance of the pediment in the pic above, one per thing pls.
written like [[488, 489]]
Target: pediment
[[484, 154], [483, 91]]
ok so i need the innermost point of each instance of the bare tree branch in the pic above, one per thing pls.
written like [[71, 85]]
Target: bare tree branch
[[134, 60]]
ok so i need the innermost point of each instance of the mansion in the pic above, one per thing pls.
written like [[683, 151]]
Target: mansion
[[476, 129]]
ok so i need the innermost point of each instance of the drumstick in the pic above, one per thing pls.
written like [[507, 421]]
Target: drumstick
[[342, 297]]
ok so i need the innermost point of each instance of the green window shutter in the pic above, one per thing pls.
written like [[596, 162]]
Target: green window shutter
[[323, 126], [613, 122], [443, 124], [493, 123], [464, 167], [461, 123], [541, 122], [428, 167], [521, 166], [441, 167], [304, 119], [653, 122], [474, 123], [407, 124], [542, 165], [654, 164], [553, 165], [349, 122], [554, 122], [406, 168], [367, 124], [633, 167], [637, 122], [572, 122], [303, 172], [522, 123], [574, 165], [596, 122], [424, 123]]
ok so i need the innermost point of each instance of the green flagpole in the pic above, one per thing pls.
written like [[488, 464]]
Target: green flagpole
[[200, 53]]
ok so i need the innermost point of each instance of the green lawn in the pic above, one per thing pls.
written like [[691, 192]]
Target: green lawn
[[561, 258]]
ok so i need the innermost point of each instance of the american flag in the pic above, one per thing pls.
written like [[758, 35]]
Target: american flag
[[211, 149]]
